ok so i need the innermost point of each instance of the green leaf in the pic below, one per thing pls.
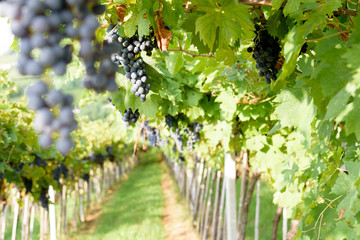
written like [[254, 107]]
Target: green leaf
[[192, 97], [296, 108], [276, 4], [206, 27], [226, 55], [130, 26], [150, 107], [174, 62], [292, 47], [148, 5], [338, 103], [292, 7], [351, 118], [277, 25], [172, 11], [143, 27], [230, 21], [195, 112], [227, 102], [172, 89], [274, 129]]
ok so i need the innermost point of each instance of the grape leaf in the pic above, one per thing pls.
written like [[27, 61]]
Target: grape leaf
[[143, 25], [276, 4], [226, 55], [206, 26], [338, 103], [292, 8], [220, 131], [296, 108], [174, 62], [230, 21], [351, 117], [172, 11], [227, 102], [277, 25], [192, 97], [130, 25]]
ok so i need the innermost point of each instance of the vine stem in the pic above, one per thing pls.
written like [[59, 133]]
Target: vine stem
[[190, 53], [329, 36], [322, 214], [256, 2]]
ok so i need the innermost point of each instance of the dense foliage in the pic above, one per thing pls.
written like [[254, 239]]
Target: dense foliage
[[302, 130]]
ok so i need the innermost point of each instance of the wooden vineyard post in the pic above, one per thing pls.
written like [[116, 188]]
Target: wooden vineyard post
[[46, 224], [76, 210], [200, 199], [117, 172], [41, 211], [221, 211], [64, 210], [198, 186], [32, 219], [189, 176], [81, 200], [284, 226], [4, 212], [216, 211], [98, 187], [52, 216], [184, 179], [203, 202], [208, 212], [293, 229], [276, 221], [230, 184], [191, 184], [103, 185], [244, 215], [257, 211], [25, 219], [88, 193], [243, 187], [16, 196]]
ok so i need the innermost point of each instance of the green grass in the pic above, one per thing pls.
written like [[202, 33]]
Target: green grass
[[135, 210]]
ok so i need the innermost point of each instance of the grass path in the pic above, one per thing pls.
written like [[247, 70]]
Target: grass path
[[135, 210], [176, 219]]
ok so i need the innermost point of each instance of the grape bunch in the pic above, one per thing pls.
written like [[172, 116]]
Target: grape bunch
[[57, 175], [41, 99], [64, 170], [98, 159], [100, 69], [303, 48], [60, 169], [169, 120], [178, 138], [193, 135], [38, 161], [86, 177], [43, 24], [41, 27], [153, 136], [28, 184], [43, 198], [129, 58], [266, 53], [130, 116]]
